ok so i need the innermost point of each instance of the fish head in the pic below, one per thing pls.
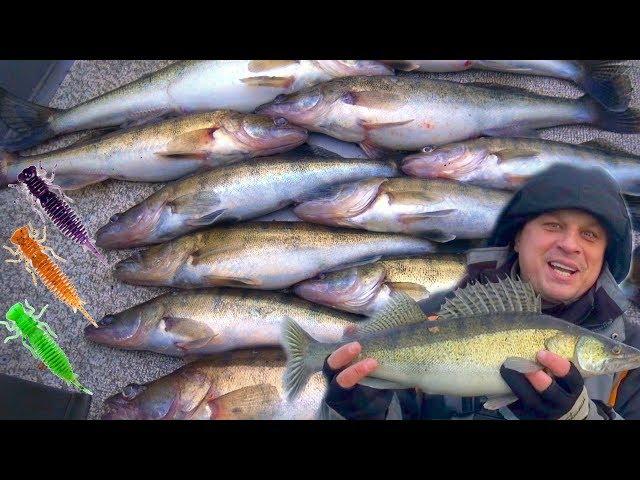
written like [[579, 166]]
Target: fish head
[[158, 265], [20, 235], [262, 135], [338, 204], [130, 329], [353, 289], [350, 68], [601, 355], [454, 161], [304, 107], [137, 227], [174, 396], [28, 174]]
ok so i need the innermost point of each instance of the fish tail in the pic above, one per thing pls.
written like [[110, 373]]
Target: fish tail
[[627, 121], [296, 343], [28, 121], [605, 81]]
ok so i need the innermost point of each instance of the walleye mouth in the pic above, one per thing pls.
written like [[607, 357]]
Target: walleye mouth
[[563, 269], [128, 229], [115, 331], [453, 163]]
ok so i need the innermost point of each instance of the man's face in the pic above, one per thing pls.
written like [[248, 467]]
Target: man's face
[[561, 254]]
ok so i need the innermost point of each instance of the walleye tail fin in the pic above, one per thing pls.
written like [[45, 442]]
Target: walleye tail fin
[[605, 81], [296, 344], [28, 121], [627, 121]]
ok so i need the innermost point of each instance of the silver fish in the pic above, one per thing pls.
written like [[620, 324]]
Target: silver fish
[[162, 151], [509, 162], [412, 111], [604, 80], [261, 255], [440, 210], [245, 384], [232, 194], [215, 320], [183, 87], [367, 289]]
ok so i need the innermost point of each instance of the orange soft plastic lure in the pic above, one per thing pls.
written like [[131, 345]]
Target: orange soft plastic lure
[[32, 251]]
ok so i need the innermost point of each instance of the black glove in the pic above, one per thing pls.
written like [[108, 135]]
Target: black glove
[[358, 402], [565, 399]]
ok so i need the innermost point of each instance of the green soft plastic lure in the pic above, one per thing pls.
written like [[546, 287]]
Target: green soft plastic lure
[[38, 338]]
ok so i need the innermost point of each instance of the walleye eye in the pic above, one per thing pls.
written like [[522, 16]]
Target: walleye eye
[[114, 218], [280, 98], [131, 391], [280, 122], [428, 149], [616, 350]]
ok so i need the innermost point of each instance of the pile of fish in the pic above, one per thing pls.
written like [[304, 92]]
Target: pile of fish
[[271, 243]]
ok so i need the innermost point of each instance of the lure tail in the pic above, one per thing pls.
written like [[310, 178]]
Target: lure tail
[[87, 316], [28, 121], [605, 81], [76, 383], [88, 245]]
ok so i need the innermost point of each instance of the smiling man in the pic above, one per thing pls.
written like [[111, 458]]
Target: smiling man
[[568, 233]]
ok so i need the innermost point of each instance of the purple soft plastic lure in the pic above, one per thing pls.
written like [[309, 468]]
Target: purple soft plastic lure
[[57, 209]]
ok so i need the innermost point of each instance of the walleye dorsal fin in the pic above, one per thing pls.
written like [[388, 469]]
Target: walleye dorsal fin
[[506, 88], [400, 310], [601, 144], [504, 296]]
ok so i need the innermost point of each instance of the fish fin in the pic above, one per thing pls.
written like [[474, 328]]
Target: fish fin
[[379, 125], [404, 65], [296, 343], [241, 282], [78, 180], [602, 144], [521, 365], [627, 121], [256, 66], [381, 384], [522, 131], [516, 180], [607, 82], [195, 142], [272, 82], [28, 122], [194, 344], [202, 206], [372, 99], [307, 150], [249, 403], [438, 236], [414, 290], [373, 151], [341, 201], [400, 310], [514, 153], [633, 204], [359, 263], [504, 296], [495, 403]]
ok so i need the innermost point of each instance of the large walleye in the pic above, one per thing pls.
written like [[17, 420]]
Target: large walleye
[[509, 162], [367, 289], [460, 354], [261, 255], [410, 112], [604, 80], [163, 151], [440, 210], [215, 320], [245, 384], [232, 194], [183, 87]]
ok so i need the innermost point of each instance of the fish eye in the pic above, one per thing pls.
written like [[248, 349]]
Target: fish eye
[[280, 122], [616, 350], [280, 98]]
